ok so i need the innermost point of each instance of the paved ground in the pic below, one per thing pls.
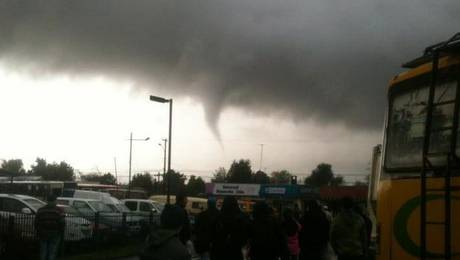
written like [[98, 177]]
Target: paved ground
[[329, 256]]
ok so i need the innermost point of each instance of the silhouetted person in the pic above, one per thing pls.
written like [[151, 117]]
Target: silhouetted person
[[230, 232], [314, 235], [348, 235], [204, 224], [266, 238], [164, 243], [50, 224], [296, 212], [185, 233], [368, 224], [291, 228]]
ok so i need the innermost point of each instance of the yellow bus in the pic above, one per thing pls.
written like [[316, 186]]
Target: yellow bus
[[414, 187], [194, 205]]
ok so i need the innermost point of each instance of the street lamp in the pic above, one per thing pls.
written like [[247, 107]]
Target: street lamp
[[130, 158], [170, 101], [164, 162]]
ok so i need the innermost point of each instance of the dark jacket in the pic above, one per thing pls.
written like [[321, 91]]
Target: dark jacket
[[267, 240], [229, 236], [348, 235], [164, 244], [314, 235], [50, 221], [204, 224], [185, 233]]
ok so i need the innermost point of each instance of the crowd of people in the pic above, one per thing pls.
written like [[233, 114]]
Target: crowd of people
[[229, 234]]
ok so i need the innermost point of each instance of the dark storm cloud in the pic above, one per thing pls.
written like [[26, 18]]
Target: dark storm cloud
[[327, 60]]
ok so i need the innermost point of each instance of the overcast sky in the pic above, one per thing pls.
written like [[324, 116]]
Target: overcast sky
[[305, 78]]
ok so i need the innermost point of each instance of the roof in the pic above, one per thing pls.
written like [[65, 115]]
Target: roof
[[18, 196], [71, 198], [447, 51], [425, 68], [334, 193]]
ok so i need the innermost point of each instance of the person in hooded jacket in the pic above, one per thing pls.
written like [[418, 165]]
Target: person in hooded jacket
[[266, 237], [314, 235], [348, 234], [291, 228], [230, 233], [164, 243], [204, 224]]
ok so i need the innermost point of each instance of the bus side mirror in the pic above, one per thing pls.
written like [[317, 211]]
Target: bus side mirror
[[26, 211]]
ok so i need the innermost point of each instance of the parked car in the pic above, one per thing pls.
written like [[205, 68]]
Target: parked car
[[73, 220], [194, 205], [107, 216], [144, 208], [23, 208]]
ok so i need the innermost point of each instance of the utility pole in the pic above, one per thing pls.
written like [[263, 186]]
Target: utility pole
[[164, 166], [116, 173], [261, 155], [130, 157]]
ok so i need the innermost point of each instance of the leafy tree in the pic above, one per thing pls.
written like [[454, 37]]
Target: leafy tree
[[337, 181], [54, 171], [106, 178], [177, 181], [281, 177], [219, 175], [261, 177], [321, 176], [240, 172], [144, 181], [195, 186], [14, 166], [40, 167]]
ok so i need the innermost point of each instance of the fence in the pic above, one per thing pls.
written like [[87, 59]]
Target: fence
[[81, 233]]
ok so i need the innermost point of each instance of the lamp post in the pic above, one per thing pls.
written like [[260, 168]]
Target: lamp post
[[130, 158], [170, 101], [164, 163]]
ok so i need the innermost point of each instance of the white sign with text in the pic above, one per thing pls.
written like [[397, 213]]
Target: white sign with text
[[236, 189]]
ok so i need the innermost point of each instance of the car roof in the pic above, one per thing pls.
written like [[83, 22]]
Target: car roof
[[81, 199], [17, 196], [140, 200]]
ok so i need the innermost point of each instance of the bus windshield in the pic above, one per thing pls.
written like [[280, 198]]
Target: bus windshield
[[407, 118]]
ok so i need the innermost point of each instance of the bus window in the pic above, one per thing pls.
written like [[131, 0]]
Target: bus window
[[407, 124], [406, 127]]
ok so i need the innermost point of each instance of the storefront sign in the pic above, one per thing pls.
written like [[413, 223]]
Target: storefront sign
[[236, 189], [275, 190]]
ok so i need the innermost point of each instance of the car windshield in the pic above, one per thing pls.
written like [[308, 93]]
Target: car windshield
[[35, 204], [100, 207], [122, 207], [71, 211], [407, 123]]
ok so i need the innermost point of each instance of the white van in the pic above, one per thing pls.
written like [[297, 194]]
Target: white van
[[106, 198]]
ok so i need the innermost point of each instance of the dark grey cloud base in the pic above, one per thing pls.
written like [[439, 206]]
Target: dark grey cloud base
[[327, 60]]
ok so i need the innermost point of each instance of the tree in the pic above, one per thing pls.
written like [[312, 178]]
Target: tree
[[337, 181], [240, 172], [281, 177], [195, 186], [54, 171], [261, 177], [144, 181], [14, 166], [106, 178], [321, 176], [219, 175], [177, 181]]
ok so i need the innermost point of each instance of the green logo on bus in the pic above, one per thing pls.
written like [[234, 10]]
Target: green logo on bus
[[401, 221]]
